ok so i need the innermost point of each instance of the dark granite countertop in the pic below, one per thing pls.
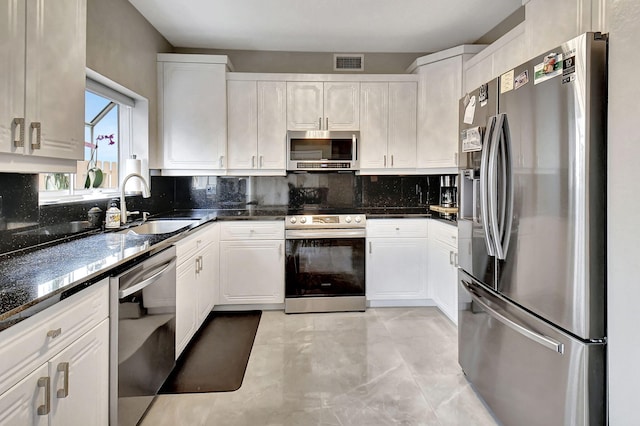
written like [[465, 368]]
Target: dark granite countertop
[[34, 280], [31, 281]]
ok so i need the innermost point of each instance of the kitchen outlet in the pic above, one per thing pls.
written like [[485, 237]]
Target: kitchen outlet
[[210, 191]]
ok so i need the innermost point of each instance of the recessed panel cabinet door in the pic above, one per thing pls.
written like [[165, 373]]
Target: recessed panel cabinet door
[[304, 106], [242, 140], [341, 106], [55, 78], [80, 380], [194, 117], [272, 125], [252, 272], [12, 40], [186, 303], [19, 405], [403, 103], [438, 130], [397, 268], [374, 124], [443, 275]]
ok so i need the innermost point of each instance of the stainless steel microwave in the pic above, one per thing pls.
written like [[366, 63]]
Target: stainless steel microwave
[[318, 150]]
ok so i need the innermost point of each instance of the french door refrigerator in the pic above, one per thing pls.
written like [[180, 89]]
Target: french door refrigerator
[[532, 328]]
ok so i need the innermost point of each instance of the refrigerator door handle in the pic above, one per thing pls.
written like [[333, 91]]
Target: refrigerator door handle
[[507, 191], [545, 341], [484, 188], [501, 201]]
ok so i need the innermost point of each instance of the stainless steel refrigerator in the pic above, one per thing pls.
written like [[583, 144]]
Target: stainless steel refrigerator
[[532, 277]]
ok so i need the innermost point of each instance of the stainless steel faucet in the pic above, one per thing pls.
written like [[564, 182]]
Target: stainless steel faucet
[[124, 214]]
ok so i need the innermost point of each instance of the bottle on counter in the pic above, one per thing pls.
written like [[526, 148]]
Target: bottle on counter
[[113, 215]]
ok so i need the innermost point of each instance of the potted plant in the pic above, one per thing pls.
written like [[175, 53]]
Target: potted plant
[[94, 174]]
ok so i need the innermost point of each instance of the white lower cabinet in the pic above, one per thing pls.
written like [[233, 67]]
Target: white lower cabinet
[[196, 282], [252, 262], [443, 267], [55, 368], [396, 265]]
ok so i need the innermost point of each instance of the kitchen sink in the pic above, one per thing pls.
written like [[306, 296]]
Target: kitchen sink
[[159, 227]]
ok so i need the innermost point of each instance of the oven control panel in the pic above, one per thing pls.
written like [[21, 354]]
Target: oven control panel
[[325, 221]]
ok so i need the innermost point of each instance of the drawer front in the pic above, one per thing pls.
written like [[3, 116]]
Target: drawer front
[[444, 233], [252, 230], [35, 340], [394, 228], [202, 237]]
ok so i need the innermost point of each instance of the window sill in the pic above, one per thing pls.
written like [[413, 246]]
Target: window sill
[[63, 197]]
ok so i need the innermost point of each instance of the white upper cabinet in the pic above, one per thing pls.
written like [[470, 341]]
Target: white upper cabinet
[[42, 64], [388, 125], [440, 89], [256, 141], [323, 105], [193, 113]]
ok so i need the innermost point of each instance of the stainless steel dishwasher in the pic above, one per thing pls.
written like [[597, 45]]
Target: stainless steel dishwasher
[[142, 340]]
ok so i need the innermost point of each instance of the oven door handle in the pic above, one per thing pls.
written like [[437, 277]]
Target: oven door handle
[[305, 234]]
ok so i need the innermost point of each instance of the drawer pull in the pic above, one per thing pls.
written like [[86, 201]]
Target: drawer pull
[[43, 410], [54, 333], [63, 367]]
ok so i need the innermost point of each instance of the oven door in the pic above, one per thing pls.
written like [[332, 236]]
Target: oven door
[[321, 263]]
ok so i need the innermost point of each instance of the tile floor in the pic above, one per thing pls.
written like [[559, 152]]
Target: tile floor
[[386, 366]]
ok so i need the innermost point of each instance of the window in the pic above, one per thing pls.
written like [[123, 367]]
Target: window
[[108, 140]]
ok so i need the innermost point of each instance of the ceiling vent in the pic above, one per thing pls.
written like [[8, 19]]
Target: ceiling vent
[[348, 62]]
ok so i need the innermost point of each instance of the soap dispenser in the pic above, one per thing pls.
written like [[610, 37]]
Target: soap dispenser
[[113, 215]]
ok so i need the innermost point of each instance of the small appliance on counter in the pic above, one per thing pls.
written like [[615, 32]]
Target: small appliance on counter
[[448, 207]]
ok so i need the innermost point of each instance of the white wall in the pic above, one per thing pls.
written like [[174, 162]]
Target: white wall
[[623, 244]]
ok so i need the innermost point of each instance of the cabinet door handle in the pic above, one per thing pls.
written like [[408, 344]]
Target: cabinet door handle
[[253, 161], [19, 122], [455, 260], [450, 258], [261, 161], [391, 160], [43, 410], [63, 367], [54, 333], [455, 158], [221, 161], [385, 161], [370, 247], [36, 125], [280, 249], [319, 123], [327, 123]]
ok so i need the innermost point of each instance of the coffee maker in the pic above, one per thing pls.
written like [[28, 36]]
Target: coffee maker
[[448, 191]]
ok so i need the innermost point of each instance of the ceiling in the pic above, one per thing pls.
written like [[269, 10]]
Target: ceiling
[[348, 26]]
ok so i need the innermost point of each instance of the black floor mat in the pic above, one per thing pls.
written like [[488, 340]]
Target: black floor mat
[[217, 356]]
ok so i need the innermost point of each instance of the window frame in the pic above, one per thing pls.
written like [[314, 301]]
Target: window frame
[[133, 139]]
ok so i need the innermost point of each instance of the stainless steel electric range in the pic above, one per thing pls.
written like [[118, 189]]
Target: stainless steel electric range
[[325, 263]]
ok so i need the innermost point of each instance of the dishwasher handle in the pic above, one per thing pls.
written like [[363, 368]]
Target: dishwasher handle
[[147, 281]]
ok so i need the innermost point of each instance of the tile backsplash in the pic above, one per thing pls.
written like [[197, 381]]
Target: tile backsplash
[[20, 211]]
